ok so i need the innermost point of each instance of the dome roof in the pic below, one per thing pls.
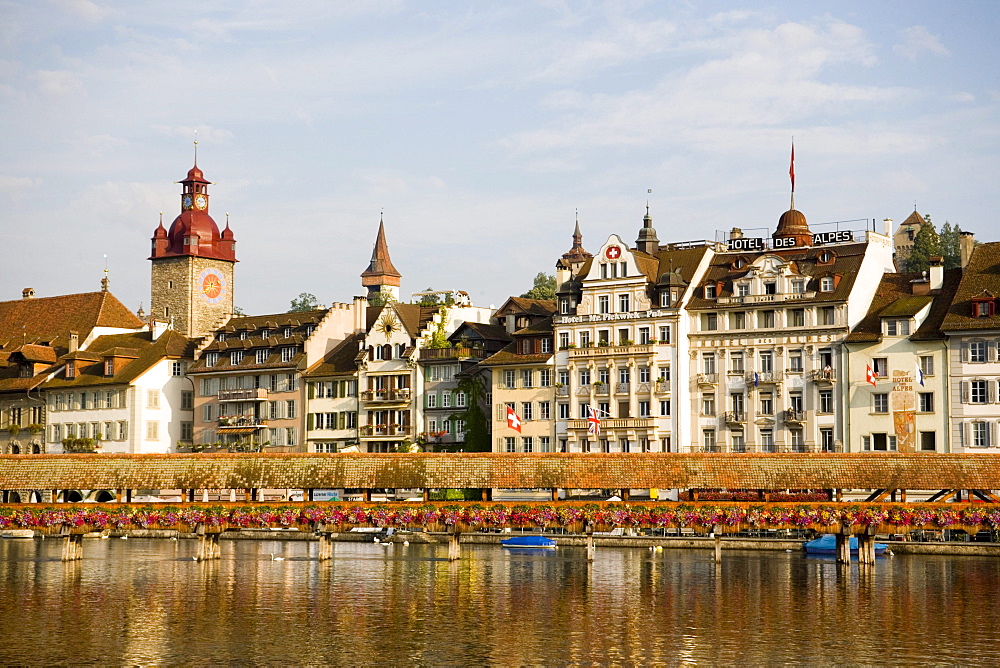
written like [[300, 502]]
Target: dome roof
[[195, 175], [194, 222], [792, 221]]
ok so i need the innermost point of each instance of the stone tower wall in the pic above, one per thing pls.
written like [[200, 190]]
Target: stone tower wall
[[176, 286]]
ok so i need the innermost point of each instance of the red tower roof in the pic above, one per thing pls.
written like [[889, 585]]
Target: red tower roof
[[193, 232]]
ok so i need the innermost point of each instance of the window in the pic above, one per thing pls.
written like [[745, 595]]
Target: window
[[624, 375], [708, 404], [221, 336], [623, 303], [460, 400], [211, 359], [928, 441], [880, 402], [152, 431], [187, 431], [122, 430], [897, 327], [152, 399], [926, 402], [206, 412], [584, 410], [767, 361], [982, 309], [177, 369], [584, 339], [879, 442], [977, 351], [797, 317], [585, 376], [643, 335], [262, 355], [709, 321], [796, 440], [798, 287], [527, 443], [739, 442], [508, 379], [665, 407], [236, 357], [545, 378], [826, 439], [736, 363], [563, 411], [286, 332], [738, 320], [643, 409], [544, 410], [664, 298], [742, 289], [766, 403], [526, 411], [708, 363], [563, 340], [564, 305], [826, 284], [765, 319], [737, 401], [767, 440], [708, 435], [432, 400], [526, 378], [603, 304], [664, 374], [927, 365], [795, 361], [795, 402], [563, 377], [880, 365], [546, 345], [665, 334], [644, 374], [980, 434], [187, 400], [978, 392], [770, 288], [709, 292], [287, 353]]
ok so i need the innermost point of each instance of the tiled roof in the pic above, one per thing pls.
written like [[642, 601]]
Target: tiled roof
[[847, 262], [35, 353], [473, 470], [982, 274], [894, 297], [483, 330], [413, 316], [49, 320], [527, 306], [931, 329], [892, 288], [339, 361], [147, 353]]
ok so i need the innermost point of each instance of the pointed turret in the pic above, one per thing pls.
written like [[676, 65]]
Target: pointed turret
[[381, 276], [647, 242]]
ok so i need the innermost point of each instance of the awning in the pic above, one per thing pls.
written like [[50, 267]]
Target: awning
[[239, 430]]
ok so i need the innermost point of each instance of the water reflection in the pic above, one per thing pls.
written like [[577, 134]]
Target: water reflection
[[148, 601]]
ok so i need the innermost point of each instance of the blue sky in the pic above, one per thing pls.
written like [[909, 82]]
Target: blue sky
[[479, 128]]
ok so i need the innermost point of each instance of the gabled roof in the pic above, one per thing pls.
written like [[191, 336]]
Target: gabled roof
[[510, 353], [482, 331], [49, 320], [340, 361], [982, 273], [147, 352], [526, 306], [894, 298], [414, 317]]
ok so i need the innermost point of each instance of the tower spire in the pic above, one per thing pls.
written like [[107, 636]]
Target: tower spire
[[381, 276]]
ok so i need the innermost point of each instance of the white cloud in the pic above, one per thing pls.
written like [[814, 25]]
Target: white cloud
[[15, 186], [917, 40], [58, 84], [83, 9], [199, 132]]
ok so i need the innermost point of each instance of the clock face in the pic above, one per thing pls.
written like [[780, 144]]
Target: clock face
[[613, 252], [200, 201], [213, 286], [187, 201]]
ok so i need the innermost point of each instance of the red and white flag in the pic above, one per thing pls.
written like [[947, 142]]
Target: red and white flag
[[594, 421], [791, 167], [871, 376], [513, 421]]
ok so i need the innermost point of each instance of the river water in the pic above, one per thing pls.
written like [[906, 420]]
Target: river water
[[146, 601]]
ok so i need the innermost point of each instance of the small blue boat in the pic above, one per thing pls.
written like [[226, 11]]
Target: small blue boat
[[827, 544], [528, 541]]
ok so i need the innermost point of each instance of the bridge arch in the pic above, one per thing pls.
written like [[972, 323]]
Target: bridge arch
[[14, 497], [72, 496], [104, 496]]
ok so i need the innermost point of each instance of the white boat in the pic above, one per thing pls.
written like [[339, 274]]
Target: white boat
[[17, 533]]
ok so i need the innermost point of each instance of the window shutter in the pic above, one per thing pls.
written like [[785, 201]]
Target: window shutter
[[965, 391], [991, 392], [991, 434], [965, 351], [963, 437], [991, 351], [310, 419]]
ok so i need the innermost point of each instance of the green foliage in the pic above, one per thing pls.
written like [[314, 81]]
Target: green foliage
[[429, 300], [238, 311], [457, 495], [380, 299], [950, 247], [304, 302], [477, 426], [439, 337], [926, 245], [544, 287]]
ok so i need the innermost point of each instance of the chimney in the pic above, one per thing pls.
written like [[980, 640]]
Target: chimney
[[936, 272], [888, 226], [966, 242], [27, 293], [74, 342], [736, 233], [360, 309]]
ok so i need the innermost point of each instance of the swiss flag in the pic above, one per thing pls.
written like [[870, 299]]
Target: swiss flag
[[513, 421], [871, 376]]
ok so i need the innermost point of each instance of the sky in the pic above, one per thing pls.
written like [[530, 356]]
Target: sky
[[479, 131]]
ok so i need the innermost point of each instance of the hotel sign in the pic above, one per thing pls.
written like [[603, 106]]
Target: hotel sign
[[608, 317], [759, 244]]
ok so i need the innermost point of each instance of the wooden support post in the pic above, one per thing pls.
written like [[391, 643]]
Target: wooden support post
[[191, 495], [843, 548], [866, 549], [118, 496], [624, 494], [368, 496], [590, 546], [309, 494], [248, 496], [484, 493], [454, 547], [555, 493], [208, 544], [72, 549], [325, 545], [128, 496], [717, 535], [6, 496], [902, 496], [427, 494]]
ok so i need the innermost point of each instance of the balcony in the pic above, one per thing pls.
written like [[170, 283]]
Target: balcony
[[768, 299], [253, 394], [621, 388], [764, 377], [400, 395], [823, 376], [708, 378], [562, 391], [241, 424], [605, 351], [459, 353], [601, 388], [385, 430], [613, 423], [662, 387], [793, 416], [734, 417]]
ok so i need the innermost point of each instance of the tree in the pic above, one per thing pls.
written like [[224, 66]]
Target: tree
[[237, 311], [544, 287], [477, 427], [380, 299], [926, 245], [950, 247], [429, 300], [304, 302]]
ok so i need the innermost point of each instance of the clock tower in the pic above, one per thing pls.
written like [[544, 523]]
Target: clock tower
[[192, 282]]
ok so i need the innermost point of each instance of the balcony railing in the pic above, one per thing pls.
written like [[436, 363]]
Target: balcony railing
[[460, 353], [734, 417], [385, 430], [252, 394], [242, 421], [601, 388], [621, 388], [386, 396], [768, 299], [792, 415], [613, 423], [562, 391], [823, 376], [603, 351], [708, 378], [761, 377]]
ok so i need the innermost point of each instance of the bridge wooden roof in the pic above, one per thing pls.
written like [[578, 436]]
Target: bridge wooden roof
[[471, 470]]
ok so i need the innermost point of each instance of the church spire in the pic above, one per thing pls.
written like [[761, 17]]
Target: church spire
[[381, 276], [647, 242]]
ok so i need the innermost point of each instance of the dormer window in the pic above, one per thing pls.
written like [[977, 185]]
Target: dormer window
[[897, 327], [221, 336], [236, 357], [265, 333], [71, 369], [665, 298], [26, 370], [742, 289], [287, 332], [826, 257], [798, 287], [262, 355], [710, 292], [739, 263], [211, 359], [243, 335], [309, 329], [109, 367], [564, 305], [770, 288], [983, 309], [826, 284]]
